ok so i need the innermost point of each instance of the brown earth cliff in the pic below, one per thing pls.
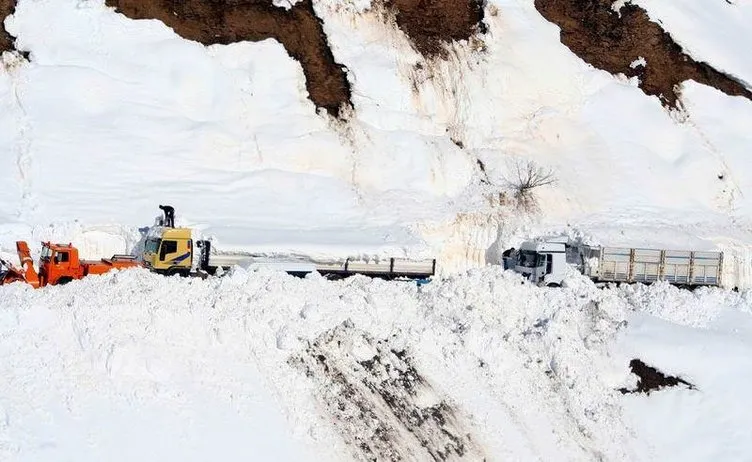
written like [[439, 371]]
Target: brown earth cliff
[[6, 8], [612, 41], [430, 24]]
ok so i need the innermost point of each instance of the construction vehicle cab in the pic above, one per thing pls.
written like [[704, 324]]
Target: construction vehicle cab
[[59, 264], [169, 251], [543, 263]]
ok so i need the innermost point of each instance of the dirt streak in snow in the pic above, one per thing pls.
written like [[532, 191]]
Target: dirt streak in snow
[[380, 403]]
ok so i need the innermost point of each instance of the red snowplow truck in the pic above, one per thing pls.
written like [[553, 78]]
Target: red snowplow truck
[[58, 264]]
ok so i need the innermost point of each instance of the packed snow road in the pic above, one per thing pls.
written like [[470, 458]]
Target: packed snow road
[[262, 366]]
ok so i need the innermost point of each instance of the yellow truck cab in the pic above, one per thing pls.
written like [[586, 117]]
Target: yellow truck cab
[[169, 251]]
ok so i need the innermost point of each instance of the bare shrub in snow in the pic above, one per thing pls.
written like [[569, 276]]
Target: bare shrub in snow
[[524, 177]]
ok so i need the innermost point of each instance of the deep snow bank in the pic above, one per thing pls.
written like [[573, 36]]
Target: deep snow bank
[[133, 365], [113, 116]]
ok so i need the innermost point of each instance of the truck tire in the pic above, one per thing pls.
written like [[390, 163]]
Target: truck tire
[[553, 285], [334, 277], [182, 272], [64, 280]]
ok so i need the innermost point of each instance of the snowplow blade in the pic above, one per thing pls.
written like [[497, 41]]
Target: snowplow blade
[[9, 273]]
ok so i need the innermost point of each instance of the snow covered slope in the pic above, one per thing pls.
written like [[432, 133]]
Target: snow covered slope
[[262, 366], [112, 116]]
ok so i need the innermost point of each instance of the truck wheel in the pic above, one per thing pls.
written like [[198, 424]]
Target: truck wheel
[[63, 281], [182, 272], [553, 284], [334, 277]]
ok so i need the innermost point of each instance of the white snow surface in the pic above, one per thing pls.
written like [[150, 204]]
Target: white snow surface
[[134, 366]]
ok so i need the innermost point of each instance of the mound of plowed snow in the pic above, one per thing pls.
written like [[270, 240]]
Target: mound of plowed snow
[[112, 116], [260, 365]]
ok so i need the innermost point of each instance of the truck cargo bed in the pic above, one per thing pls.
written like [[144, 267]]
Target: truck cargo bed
[[621, 264], [392, 268], [388, 269]]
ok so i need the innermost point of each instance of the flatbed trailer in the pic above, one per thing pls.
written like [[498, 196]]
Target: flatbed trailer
[[390, 268]]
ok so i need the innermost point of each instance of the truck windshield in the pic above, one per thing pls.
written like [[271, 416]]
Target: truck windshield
[[529, 259], [152, 245], [46, 253]]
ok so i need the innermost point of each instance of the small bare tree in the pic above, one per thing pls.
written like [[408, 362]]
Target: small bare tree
[[524, 178]]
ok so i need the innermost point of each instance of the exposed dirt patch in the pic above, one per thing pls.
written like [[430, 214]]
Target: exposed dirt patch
[[379, 402], [652, 379], [430, 24], [613, 41], [6, 9], [298, 29]]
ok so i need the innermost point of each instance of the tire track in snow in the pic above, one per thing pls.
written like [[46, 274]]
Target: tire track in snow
[[728, 195], [22, 148]]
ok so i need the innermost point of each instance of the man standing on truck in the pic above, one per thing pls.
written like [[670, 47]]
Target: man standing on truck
[[169, 213]]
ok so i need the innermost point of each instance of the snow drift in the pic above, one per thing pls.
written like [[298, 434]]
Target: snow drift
[[265, 366]]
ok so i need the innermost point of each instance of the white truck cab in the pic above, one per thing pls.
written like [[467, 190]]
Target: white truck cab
[[543, 263]]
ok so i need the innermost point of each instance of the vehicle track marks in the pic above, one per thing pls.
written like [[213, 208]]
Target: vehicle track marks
[[381, 405]]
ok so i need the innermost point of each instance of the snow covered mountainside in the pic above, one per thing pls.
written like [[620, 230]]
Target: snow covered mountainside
[[335, 128], [344, 128]]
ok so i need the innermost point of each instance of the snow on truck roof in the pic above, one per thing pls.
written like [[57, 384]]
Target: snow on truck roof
[[540, 246], [161, 232]]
